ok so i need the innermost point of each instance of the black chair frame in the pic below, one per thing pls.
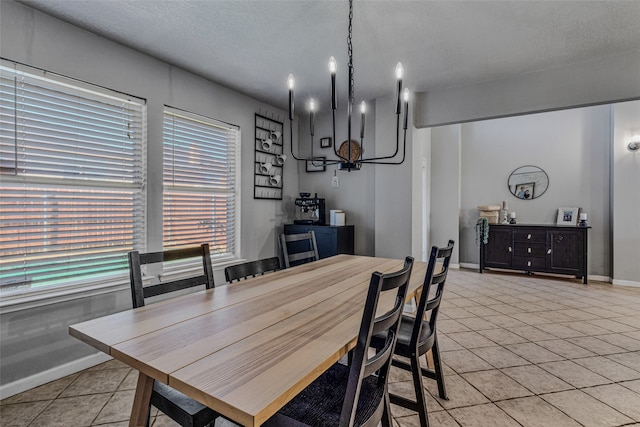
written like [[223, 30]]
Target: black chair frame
[[366, 372], [177, 406], [310, 254], [137, 260], [417, 336], [251, 269]]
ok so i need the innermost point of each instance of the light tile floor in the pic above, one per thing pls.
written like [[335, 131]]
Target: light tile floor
[[519, 351]]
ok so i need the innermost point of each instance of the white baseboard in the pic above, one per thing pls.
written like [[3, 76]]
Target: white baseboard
[[24, 384], [626, 283], [469, 265]]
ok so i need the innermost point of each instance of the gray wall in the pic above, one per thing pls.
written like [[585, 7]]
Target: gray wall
[[35, 339], [355, 194], [600, 81], [625, 194], [571, 146], [393, 186], [446, 212]]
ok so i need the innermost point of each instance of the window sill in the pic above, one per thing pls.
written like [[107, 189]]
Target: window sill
[[44, 297]]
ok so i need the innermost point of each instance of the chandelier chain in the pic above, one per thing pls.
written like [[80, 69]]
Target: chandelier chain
[[350, 53]]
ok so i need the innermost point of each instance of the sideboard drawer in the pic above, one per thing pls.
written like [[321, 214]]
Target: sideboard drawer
[[527, 263], [530, 249], [529, 235]]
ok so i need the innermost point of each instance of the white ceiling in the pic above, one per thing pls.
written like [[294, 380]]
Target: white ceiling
[[252, 46]]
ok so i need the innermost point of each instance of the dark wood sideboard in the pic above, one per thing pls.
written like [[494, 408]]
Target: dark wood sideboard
[[331, 239], [536, 248]]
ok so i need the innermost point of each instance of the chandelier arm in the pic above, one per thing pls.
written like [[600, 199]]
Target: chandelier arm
[[404, 152], [397, 144], [291, 143]]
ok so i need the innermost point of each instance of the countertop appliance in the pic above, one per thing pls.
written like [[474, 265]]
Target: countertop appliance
[[311, 210]]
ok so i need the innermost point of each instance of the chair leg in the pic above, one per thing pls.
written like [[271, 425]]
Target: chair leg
[[437, 367], [421, 399], [428, 357], [387, 421]]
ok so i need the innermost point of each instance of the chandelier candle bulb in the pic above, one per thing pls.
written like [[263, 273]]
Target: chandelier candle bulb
[[399, 74], [291, 83], [333, 67], [363, 109], [312, 116], [405, 96]]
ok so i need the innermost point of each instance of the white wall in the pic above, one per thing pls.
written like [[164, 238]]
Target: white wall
[[421, 194], [35, 340]]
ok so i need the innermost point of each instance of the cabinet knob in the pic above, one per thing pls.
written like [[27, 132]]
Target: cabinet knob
[[528, 236], [528, 263], [548, 251], [509, 248], [529, 250]]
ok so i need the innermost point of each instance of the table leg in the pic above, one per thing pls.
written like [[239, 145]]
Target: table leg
[[140, 410]]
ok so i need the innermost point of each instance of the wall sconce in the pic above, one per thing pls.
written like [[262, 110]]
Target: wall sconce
[[634, 144]]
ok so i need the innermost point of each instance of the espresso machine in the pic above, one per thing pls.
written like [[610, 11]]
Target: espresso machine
[[311, 210]]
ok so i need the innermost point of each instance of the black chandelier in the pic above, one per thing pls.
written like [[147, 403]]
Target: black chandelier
[[350, 154]]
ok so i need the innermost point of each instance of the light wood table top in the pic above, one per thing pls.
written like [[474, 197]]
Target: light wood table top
[[247, 348]]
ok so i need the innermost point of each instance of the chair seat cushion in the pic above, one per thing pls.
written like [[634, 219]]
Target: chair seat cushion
[[321, 402], [176, 404]]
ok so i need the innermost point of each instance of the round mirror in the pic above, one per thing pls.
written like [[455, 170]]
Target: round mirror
[[528, 182]]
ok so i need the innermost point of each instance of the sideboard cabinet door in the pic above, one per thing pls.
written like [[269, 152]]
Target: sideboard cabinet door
[[499, 250], [565, 251]]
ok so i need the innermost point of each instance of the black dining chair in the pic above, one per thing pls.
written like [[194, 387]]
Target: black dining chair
[[251, 269], [355, 395], [182, 409], [298, 248], [417, 335]]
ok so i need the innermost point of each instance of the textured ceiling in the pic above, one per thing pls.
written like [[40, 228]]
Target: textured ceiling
[[252, 46]]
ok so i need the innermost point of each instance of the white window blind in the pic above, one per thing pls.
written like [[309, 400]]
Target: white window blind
[[72, 178], [200, 191]]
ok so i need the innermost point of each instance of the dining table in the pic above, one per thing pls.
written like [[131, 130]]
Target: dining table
[[245, 349]]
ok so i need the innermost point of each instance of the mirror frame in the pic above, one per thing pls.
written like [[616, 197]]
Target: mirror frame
[[532, 183]]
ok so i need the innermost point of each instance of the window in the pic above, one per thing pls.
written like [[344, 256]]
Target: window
[[200, 184], [72, 178]]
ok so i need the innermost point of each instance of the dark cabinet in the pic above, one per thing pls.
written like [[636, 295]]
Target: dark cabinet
[[536, 248], [331, 239]]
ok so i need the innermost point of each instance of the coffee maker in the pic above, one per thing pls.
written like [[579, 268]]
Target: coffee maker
[[311, 210]]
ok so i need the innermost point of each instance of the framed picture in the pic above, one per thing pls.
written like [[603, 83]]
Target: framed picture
[[317, 164], [567, 216], [525, 191], [325, 142]]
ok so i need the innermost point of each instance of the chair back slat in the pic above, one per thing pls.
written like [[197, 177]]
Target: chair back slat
[[251, 269], [364, 364], [174, 286], [303, 248], [137, 260]]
